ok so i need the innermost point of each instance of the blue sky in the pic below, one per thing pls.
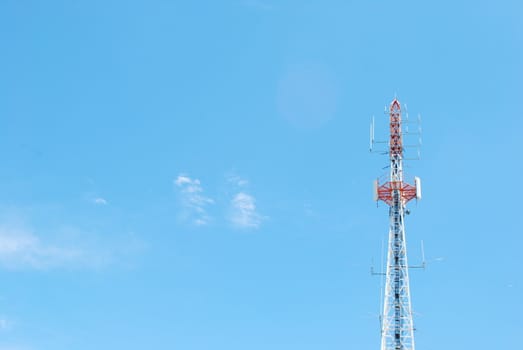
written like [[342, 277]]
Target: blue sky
[[196, 174]]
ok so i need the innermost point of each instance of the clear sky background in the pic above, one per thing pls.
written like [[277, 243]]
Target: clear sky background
[[196, 174]]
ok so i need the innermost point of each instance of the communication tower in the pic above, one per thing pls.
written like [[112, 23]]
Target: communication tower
[[397, 328]]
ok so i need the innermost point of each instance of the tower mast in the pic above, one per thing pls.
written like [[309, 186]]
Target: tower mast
[[397, 329]]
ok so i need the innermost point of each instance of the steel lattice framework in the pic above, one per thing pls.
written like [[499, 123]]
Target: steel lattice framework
[[397, 329]]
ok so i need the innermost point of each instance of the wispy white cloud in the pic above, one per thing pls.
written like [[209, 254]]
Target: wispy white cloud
[[96, 199], [193, 201], [237, 180], [5, 324], [100, 201], [243, 211], [22, 248]]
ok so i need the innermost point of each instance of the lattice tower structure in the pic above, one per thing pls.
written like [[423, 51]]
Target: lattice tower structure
[[397, 329]]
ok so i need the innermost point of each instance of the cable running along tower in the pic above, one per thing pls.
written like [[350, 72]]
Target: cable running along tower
[[397, 329]]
